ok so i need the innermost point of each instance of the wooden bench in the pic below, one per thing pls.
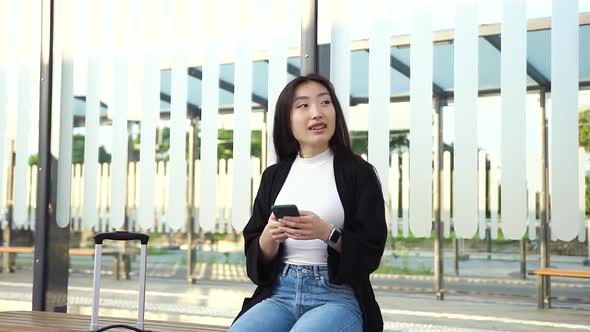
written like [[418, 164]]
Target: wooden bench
[[10, 251], [44, 321], [543, 277]]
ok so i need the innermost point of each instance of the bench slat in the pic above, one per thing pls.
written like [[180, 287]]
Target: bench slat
[[73, 251], [562, 273]]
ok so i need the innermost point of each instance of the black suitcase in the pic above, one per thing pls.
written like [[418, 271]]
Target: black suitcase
[[118, 236]]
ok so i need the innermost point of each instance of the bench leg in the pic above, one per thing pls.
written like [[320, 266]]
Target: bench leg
[[117, 266], [126, 266], [547, 292], [8, 262], [540, 292]]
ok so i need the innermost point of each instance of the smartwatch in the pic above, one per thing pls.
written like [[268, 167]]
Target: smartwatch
[[334, 237]]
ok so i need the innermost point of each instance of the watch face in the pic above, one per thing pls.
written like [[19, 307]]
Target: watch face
[[335, 236]]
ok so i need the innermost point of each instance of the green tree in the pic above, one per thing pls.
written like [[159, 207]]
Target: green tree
[[584, 129]]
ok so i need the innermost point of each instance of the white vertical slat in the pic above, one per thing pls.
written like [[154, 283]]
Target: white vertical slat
[[25, 104], [447, 176], [81, 194], [176, 212], [481, 169], [582, 196], [466, 86], [160, 191], [494, 197], [136, 189], [394, 190], [220, 193], [532, 180], [65, 11], [5, 48], [228, 199], [421, 120], [119, 152], [99, 199], [405, 193], [224, 193], [64, 167], [130, 197], [564, 119], [277, 70], [147, 148], [76, 194], [104, 194], [242, 132], [379, 68], [197, 194], [340, 52], [91, 143], [513, 86], [208, 188], [256, 172], [3, 134], [73, 197]]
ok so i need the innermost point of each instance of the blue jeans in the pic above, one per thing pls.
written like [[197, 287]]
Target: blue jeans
[[304, 300]]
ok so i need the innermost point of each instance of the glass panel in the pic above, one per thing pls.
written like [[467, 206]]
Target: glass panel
[[19, 126]]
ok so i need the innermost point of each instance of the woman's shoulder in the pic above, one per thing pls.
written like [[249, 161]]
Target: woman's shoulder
[[272, 170], [355, 163]]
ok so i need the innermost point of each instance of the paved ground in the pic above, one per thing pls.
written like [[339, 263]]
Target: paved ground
[[488, 295]]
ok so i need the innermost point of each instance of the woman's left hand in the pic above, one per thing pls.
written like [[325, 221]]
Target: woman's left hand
[[308, 226]]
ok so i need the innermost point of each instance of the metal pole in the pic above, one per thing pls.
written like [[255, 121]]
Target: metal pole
[[191, 194], [51, 261], [8, 258], [309, 36], [522, 259], [544, 248], [438, 199], [456, 260]]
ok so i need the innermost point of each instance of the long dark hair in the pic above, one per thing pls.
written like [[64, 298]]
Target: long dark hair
[[286, 146]]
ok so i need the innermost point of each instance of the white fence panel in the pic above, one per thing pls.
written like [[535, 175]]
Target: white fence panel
[[564, 120], [421, 120], [394, 190], [513, 86], [119, 152], [340, 52], [91, 177], [466, 74], [447, 176], [379, 67], [481, 197]]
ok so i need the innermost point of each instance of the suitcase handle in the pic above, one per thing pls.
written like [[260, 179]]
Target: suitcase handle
[[121, 236]]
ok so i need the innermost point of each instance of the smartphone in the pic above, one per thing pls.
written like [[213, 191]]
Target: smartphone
[[289, 210]]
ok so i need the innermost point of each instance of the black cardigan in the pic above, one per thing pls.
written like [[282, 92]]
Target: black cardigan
[[363, 235]]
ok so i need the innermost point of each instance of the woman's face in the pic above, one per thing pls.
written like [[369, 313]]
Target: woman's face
[[313, 118]]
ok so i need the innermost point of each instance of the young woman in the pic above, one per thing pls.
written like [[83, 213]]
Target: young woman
[[312, 271]]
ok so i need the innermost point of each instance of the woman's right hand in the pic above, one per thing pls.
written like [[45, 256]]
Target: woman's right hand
[[270, 238], [272, 229]]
